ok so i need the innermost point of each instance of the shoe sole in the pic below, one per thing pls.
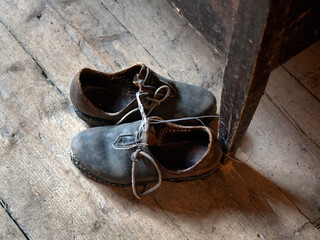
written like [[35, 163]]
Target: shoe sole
[[88, 174], [92, 121], [96, 122]]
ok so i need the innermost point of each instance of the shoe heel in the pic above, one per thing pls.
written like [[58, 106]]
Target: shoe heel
[[92, 121], [213, 125]]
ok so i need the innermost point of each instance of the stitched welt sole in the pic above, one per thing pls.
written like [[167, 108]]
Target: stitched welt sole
[[87, 173], [90, 175]]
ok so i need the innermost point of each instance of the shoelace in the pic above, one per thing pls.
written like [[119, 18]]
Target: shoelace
[[135, 157], [143, 128], [156, 100]]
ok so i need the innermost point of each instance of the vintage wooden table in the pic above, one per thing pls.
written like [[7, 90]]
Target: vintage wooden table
[[255, 36]]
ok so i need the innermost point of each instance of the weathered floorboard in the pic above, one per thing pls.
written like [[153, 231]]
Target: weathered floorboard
[[53, 195], [279, 150], [235, 192], [8, 229], [297, 146], [182, 51], [38, 35], [213, 19], [48, 196], [107, 43], [224, 201], [300, 107], [50, 186], [169, 39], [71, 15], [45, 191], [305, 67]]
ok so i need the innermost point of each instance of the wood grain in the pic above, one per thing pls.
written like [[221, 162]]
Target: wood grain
[[177, 48], [278, 150], [186, 57], [45, 191], [266, 34], [213, 19], [51, 199], [9, 229], [244, 80], [300, 107], [305, 67]]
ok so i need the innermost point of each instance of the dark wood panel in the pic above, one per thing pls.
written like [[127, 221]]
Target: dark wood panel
[[266, 34], [292, 26], [213, 19], [240, 70], [256, 36]]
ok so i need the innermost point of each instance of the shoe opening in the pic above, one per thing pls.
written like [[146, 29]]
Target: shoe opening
[[178, 148], [109, 92]]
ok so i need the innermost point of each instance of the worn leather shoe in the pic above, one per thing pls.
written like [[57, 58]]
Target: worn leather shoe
[[104, 99], [141, 152]]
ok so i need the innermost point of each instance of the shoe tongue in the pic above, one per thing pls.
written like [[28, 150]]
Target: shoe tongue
[[151, 134], [151, 138]]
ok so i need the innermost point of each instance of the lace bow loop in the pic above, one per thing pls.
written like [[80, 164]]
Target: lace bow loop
[[148, 97], [136, 157]]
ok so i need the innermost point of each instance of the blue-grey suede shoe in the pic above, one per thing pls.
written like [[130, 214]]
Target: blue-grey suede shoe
[[142, 152]]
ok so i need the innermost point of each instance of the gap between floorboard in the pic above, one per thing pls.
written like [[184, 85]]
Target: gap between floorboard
[[5, 206]]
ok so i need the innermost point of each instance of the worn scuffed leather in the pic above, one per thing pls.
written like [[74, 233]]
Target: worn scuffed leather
[[181, 152], [109, 97]]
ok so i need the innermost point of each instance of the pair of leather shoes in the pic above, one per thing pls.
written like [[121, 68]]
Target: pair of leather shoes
[[136, 142]]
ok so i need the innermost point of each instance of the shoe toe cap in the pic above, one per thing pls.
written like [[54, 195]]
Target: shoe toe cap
[[88, 149], [195, 101], [92, 152]]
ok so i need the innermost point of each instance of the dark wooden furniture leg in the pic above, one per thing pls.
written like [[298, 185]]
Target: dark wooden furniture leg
[[266, 34], [255, 36], [243, 84]]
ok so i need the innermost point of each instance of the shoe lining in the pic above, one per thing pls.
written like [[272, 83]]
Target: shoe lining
[[108, 100], [110, 93], [179, 149]]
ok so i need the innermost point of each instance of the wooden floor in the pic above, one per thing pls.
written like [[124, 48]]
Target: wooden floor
[[275, 194]]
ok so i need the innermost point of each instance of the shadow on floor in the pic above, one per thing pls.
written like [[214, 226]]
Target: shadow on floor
[[233, 189]]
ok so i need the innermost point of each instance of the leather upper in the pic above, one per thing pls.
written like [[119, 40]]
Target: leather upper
[[179, 151], [117, 91]]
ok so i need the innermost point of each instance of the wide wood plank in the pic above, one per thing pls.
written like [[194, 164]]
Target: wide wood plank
[[41, 35], [178, 49], [282, 153], [299, 106], [8, 229], [48, 196], [234, 203], [50, 186], [255, 181], [109, 45], [213, 19], [305, 67], [55, 201]]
